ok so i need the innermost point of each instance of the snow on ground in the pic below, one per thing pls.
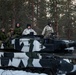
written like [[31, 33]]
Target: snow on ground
[[16, 72]]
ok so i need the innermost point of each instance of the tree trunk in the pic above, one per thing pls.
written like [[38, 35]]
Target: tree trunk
[[14, 15]]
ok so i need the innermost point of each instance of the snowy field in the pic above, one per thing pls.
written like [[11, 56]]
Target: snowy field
[[10, 72]]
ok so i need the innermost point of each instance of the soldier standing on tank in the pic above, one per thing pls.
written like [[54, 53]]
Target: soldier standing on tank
[[18, 30], [48, 30]]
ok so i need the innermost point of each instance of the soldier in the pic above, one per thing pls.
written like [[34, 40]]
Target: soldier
[[3, 36], [48, 30], [18, 30], [10, 33], [29, 30]]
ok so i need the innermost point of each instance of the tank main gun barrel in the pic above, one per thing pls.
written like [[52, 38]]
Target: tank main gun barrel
[[59, 45], [66, 44]]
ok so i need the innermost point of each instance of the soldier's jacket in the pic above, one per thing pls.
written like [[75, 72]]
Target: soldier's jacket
[[3, 36], [10, 35], [18, 31], [47, 31]]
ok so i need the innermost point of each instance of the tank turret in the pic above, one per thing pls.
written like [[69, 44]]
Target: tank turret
[[37, 43]]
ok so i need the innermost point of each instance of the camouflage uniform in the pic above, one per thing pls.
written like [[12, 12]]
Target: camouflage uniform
[[17, 31], [47, 31], [10, 35], [3, 36]]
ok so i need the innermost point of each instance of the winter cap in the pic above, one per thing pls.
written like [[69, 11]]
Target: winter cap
[[28, 25], [49, 23]]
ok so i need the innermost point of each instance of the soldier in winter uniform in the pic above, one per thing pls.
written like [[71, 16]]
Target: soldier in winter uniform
[[29, 30], [48, 30]]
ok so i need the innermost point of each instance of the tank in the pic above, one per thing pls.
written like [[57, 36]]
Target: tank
[[36, 54]]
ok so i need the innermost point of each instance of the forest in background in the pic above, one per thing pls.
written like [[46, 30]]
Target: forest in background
[[38, 12]]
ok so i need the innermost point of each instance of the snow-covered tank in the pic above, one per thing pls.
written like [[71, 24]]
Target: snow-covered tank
[[34, 53]]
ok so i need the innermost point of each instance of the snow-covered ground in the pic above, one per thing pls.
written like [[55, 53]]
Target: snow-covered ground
[[16, 72], [20, 72]]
